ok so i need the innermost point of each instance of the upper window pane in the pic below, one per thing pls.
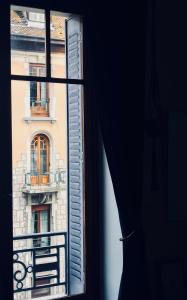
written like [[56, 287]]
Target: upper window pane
[[28, 40], [58, 44], [28, 43], [66, 45]]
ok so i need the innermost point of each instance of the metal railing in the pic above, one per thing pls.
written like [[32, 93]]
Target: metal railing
[[31, 263], [39, 106], [35, 178], [44, 102]]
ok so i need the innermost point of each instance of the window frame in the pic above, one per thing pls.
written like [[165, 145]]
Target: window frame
[[38, 209], [46, 113], [42, 207], [91, 147]]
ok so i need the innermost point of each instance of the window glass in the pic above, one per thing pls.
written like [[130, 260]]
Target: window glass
[[66, 46], [28, 40], [47, 155], [58, 44], [39, 194]]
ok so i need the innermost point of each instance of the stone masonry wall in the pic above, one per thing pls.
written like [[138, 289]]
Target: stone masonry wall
[[22, 219]]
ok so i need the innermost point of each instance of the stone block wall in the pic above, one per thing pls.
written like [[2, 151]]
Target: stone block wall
[[22, 219]]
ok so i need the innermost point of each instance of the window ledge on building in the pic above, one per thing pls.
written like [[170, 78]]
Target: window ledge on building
[[39, 119], [28, 189], [52, 297]]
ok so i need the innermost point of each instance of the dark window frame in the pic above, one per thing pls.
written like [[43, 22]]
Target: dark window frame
[[91, 147]]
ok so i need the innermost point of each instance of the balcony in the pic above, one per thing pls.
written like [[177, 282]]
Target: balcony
[[34, 261], [39, 107], [45, 182]]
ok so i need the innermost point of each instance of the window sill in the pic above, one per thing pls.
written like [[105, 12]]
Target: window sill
[[39, 119], [62, 297]]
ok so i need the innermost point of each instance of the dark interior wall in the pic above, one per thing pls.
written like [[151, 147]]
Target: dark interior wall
[[164, 210]]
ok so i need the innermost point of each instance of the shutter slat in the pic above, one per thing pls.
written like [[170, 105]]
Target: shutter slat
[[74, 218], [75, 205], [76, 260], [76, 233], [75, 152], [75, 213], [76, 250], [76, 267], [76, 226], [74, 173], [75, 274], [75, 240], [75, 193]]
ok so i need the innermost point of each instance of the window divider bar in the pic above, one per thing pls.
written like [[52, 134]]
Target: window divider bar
[[47, 79], [48, 43]]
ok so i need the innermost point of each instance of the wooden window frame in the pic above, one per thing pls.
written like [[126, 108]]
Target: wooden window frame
[[91, 138]]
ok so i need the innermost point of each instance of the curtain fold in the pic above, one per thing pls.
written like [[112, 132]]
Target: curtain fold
[[122, 125], [123, 79]]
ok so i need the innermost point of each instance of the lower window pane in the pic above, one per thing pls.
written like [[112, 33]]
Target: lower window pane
[[40, 218]]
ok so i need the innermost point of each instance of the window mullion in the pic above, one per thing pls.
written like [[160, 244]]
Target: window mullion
[[48, 58]]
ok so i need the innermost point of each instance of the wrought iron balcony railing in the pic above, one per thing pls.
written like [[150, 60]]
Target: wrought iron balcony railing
[[57, 177], [44, 102], [32, 262], [39, 107]]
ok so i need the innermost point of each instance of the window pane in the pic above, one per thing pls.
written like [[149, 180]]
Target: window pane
[[66, 45], [28, 36], [39, 193], [58, 41]]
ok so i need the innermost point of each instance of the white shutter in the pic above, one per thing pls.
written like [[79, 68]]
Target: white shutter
[[75, 150]]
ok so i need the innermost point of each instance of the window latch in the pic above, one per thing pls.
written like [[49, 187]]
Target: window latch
[[125, 238]]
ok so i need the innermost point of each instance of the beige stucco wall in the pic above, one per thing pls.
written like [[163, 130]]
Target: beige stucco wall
[[23, 131]]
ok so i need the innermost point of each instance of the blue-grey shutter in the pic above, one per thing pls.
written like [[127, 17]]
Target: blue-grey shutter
[[75, 153]]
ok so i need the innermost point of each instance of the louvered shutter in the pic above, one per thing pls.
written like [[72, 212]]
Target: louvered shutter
[[76, 262]]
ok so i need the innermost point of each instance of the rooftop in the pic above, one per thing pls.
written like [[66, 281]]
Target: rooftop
[[21, 25]]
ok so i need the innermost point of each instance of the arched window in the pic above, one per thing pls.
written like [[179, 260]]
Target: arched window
[[40, 159]]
